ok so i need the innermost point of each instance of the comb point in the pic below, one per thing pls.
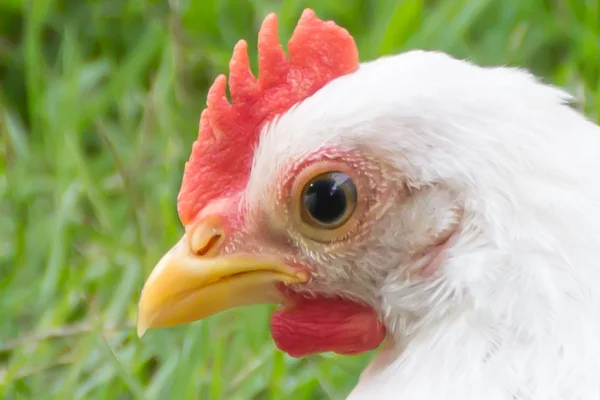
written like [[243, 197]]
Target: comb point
[[272, 63], [242, 82], [219, 109], [322, 46], [216, 97], [307, 14]]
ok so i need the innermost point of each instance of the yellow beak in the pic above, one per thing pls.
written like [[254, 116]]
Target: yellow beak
[[185, 287]]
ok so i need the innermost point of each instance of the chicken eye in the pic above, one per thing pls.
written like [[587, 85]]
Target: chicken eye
[[328, 200]]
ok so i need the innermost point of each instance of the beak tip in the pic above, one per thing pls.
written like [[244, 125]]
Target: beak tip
[[141, 330], [142, 324]]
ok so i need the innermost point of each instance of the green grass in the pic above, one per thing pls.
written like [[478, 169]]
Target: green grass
[[99, 103]]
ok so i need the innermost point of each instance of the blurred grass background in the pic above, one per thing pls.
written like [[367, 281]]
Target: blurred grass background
[[99, 103]]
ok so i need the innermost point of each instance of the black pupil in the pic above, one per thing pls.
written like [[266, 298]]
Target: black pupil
[[325, 199]]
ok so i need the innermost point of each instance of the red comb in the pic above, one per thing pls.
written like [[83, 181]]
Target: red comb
[[221, 158]]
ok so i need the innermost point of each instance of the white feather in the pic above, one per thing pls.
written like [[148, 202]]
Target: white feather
[[514, 313]]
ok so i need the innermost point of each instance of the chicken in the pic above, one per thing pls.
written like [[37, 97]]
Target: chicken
[[443, 212]]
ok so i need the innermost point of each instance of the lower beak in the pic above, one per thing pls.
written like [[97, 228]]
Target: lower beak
[[184, 287]]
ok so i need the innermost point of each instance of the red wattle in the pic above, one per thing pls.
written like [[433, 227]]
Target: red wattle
[[321, 325]]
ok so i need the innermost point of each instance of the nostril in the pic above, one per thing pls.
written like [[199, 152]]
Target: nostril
[[205, 239], [211, 244]]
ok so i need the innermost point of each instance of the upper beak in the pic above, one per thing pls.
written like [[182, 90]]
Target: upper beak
[[185, 286]]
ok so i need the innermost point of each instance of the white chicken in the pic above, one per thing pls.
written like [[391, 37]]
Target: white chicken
[[445, 212]]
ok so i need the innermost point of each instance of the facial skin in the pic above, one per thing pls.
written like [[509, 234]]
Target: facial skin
[[264, 246]]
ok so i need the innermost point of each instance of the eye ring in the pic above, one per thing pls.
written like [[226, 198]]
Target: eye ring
[[338, 217]]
